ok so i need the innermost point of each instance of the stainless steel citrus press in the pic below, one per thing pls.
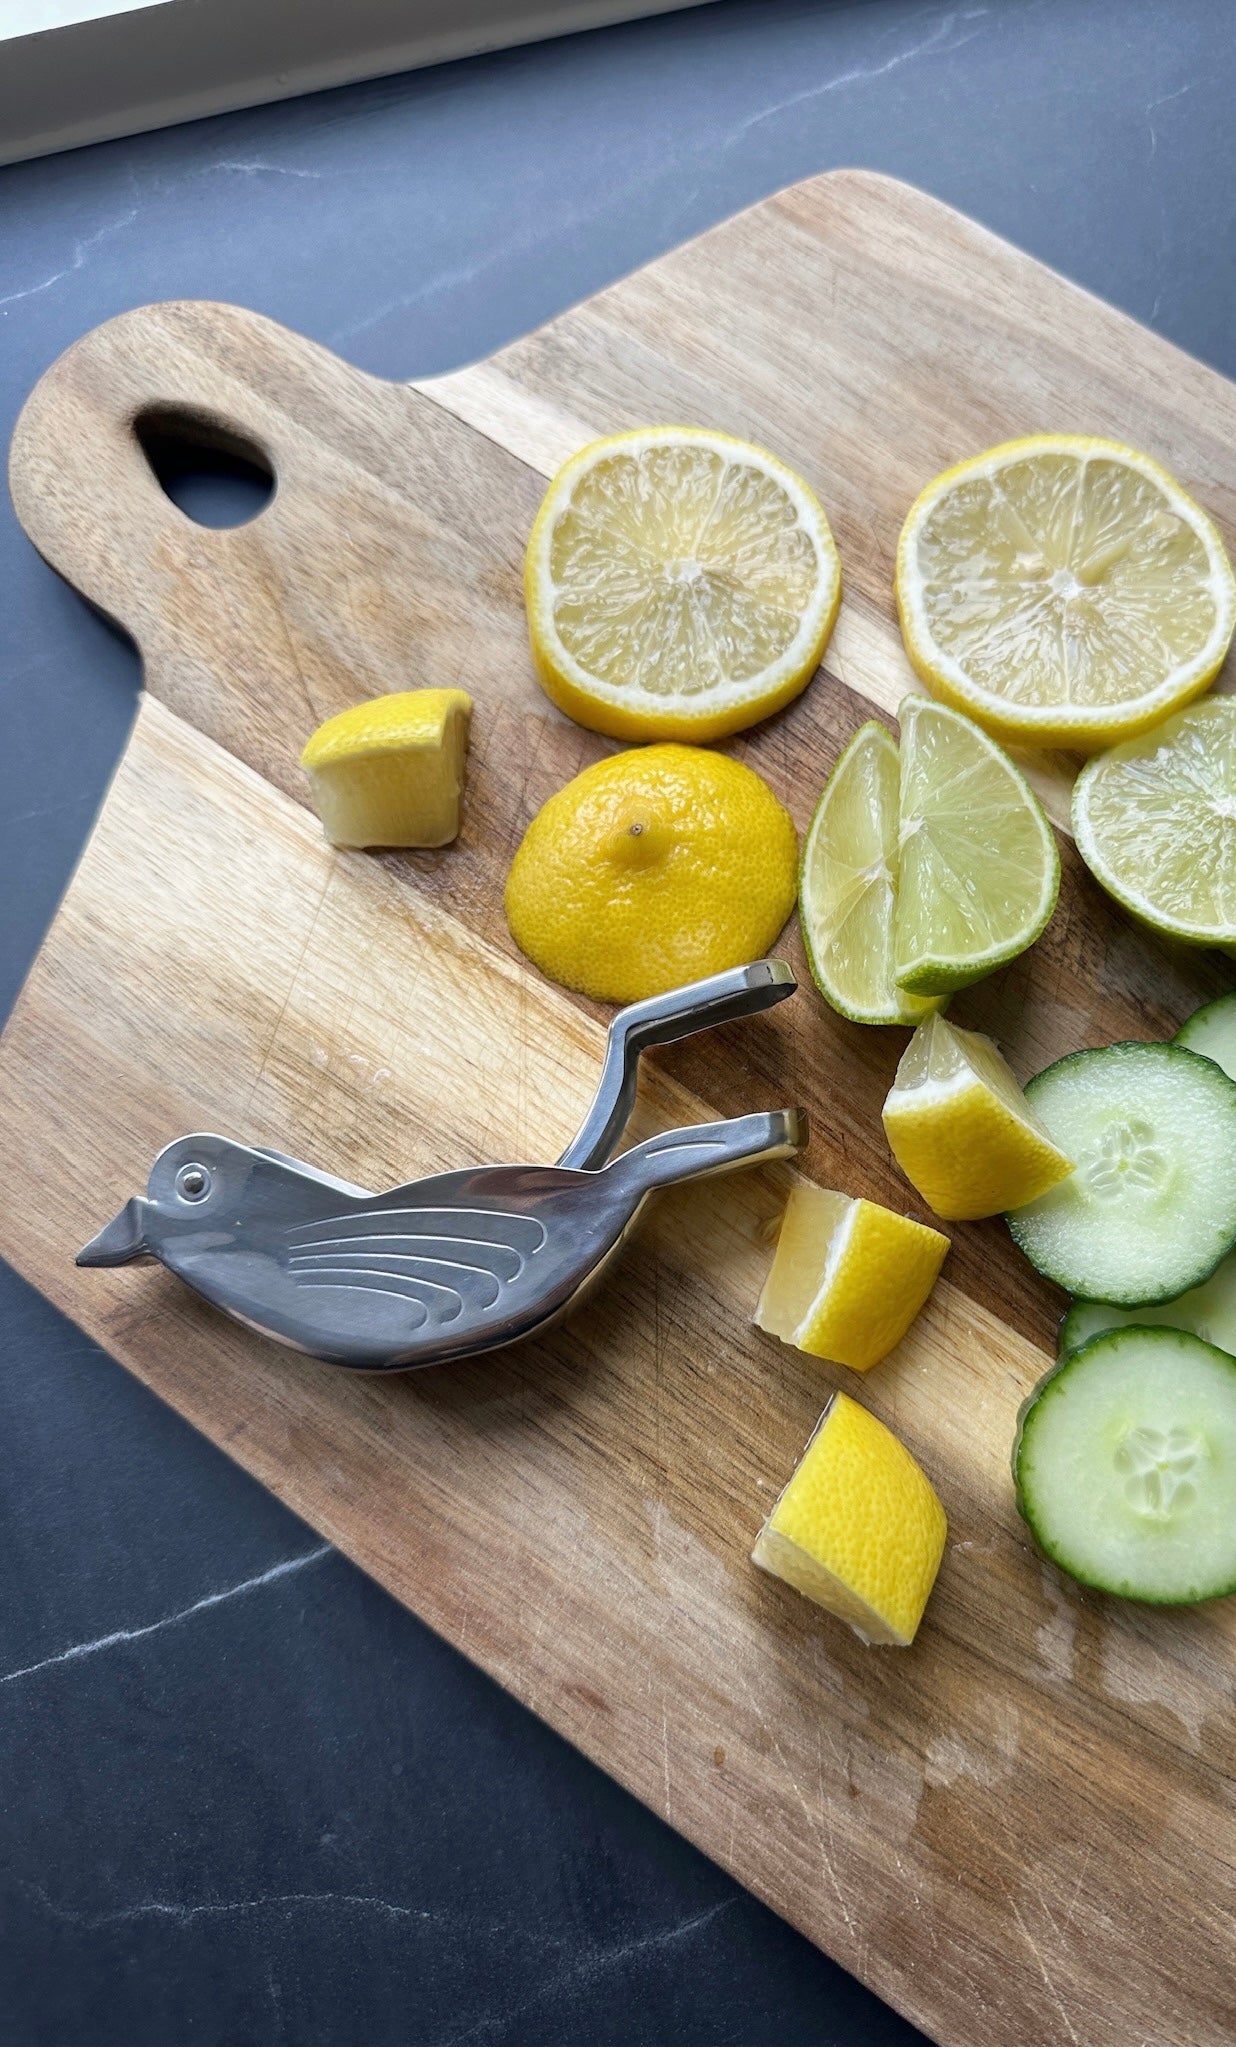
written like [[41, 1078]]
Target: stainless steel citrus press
[[451, 1265]]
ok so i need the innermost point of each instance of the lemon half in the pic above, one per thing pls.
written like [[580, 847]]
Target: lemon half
[[1064, 591], [680, 584], [651, 869]]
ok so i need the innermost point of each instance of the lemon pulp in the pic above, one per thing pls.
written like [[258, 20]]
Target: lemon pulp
[[680, 584], [1063, 590]]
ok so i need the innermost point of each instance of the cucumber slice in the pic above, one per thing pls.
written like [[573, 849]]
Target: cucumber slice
[[1125, 1466], [1151, 1207], [1211, 1030], [1208, 1311]]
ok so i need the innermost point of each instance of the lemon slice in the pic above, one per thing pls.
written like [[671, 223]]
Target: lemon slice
[[859, 1528], [848, 1277], [1155, 822], [390, 772], [979, 871], [848, 885], [961, 1129], [680, 584], [1065, 591]]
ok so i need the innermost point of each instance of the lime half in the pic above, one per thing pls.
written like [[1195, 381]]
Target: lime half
[[979, 869], [1155, 822], [848, 885]]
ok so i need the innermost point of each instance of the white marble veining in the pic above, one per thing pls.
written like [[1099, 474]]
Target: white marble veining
[[939, 41], [78, 260], [170, 1620], [571, 1965]]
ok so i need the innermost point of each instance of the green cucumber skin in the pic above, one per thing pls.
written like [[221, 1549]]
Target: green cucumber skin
[[1213, 1022], [1211, 1033], [1066, 1341], [1212, 1317], [1141, 1296], [1062, 1365]]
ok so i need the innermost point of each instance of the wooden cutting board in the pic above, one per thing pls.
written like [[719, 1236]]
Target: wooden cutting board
[[1021, 1831]]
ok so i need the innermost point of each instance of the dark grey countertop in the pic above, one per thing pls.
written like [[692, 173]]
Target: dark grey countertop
[[246, 1799]]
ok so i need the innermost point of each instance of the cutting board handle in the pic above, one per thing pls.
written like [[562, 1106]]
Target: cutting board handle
[[347, 582], [81, 482]]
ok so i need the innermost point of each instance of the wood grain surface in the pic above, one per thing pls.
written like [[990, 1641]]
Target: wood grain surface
[[1021, 1831]]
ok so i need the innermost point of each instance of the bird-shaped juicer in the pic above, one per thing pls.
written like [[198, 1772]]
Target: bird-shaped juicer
[[451, 1265]]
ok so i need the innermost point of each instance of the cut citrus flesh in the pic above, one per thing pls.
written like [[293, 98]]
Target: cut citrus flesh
[[848, 1276], [390, 772], [848, 885], [1155, 822], [680, 584], [1064, 591], [961, 1129], [859, 1528], [979, 870], [651, 869]]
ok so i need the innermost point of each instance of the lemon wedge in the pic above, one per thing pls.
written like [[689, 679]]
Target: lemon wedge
[[1155, 822], [848, 1276], [1064, 591], [848, 885], [680, 584], [390, 772], [859, 1528], [650, 869], [961, 1129], [979, 869]]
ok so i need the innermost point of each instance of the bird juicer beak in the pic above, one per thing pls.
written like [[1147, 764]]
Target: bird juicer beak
[[120, 1240]]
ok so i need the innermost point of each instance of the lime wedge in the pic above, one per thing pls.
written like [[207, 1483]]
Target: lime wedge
[[848, 885], [979, 869], [1155, 822]]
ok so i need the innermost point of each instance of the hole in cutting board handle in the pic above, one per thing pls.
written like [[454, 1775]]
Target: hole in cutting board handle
[[214, 475]]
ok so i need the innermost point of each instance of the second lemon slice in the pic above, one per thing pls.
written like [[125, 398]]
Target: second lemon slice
[[961, 1129], [680, 584], [1063, 590], [848, 1277]]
